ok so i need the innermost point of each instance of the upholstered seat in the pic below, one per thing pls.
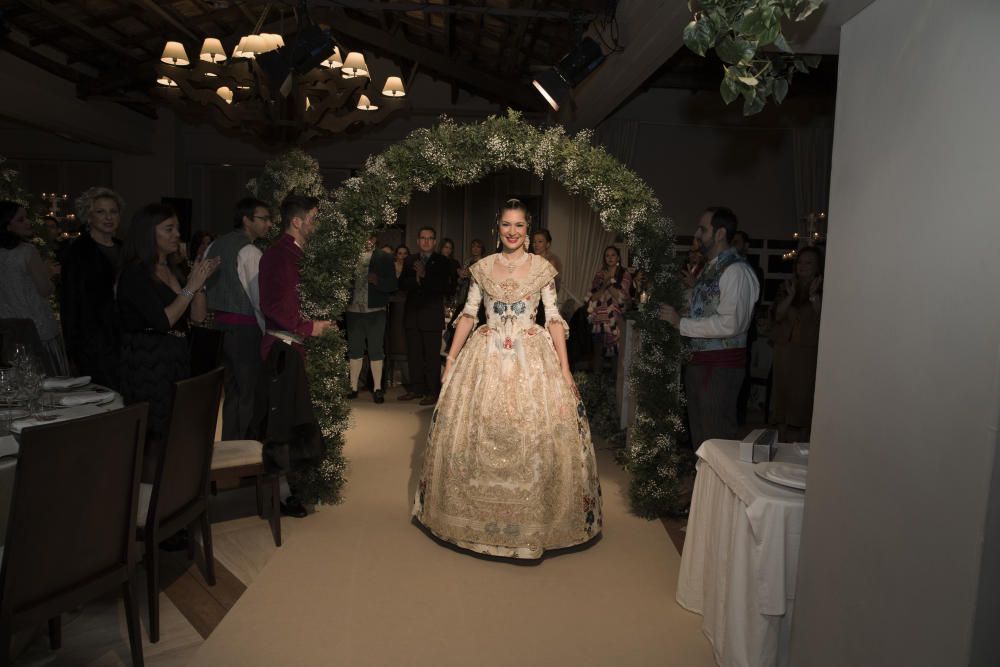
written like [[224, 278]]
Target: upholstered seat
[[142, 509], [237, 453], [236, 461]]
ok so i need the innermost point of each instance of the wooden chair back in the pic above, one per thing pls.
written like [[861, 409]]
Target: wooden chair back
[[70, 536], [182, 477]]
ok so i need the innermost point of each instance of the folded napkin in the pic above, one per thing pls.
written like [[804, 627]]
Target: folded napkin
[[85, 398], [59, 383], [52, 416]]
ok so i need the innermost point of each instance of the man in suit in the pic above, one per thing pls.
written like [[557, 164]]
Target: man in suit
[[374, 281], [428, 277]]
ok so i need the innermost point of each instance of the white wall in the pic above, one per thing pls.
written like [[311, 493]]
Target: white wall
[[908, 381]]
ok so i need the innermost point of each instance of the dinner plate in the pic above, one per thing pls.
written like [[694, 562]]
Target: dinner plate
[[791, 475]]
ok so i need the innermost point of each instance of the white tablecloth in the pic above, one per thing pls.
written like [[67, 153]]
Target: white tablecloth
[[8, 464], [741, 557]]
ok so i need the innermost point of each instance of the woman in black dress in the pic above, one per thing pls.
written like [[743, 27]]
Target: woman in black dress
[[156, 301], [90, 266]]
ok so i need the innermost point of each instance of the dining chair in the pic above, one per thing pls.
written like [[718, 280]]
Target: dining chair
[[234, 461], [72, 518], [178, 497]]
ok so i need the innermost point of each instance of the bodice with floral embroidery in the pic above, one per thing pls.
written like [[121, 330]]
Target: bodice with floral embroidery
[[511, 303]]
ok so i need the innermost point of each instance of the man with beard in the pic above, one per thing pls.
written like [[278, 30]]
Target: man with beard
[[721, 309]]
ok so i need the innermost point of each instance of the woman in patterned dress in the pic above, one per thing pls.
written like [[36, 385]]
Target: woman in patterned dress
[[609, 299], [509, 468]]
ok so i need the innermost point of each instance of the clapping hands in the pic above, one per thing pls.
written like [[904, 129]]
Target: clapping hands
[[203, 269]]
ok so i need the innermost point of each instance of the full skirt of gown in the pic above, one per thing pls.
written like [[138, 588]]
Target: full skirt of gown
[[509, 468]]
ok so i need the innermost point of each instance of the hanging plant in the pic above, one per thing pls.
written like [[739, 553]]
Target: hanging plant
[[746, 35]]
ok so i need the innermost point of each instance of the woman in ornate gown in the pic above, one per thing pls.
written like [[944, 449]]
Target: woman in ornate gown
[[509, 467]]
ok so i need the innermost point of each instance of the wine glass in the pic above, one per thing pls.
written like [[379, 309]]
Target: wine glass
[[7, 385], [20, 357]]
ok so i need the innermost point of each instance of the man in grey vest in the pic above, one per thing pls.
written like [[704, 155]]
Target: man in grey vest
[[722, 304], [374, 281], [234, 297]]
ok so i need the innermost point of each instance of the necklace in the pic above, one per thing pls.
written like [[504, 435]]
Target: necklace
[[511, 266]]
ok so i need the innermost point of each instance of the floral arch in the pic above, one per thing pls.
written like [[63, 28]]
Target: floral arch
[[454, 155]]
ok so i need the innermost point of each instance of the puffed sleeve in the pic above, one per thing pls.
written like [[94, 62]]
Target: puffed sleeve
[[552, 306], [472, 302]]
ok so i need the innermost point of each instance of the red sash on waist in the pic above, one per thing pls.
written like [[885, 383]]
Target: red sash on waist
[[222, 317], [731, 358]]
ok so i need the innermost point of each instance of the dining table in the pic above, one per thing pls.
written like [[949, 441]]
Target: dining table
[[740, 556], [56, 410]]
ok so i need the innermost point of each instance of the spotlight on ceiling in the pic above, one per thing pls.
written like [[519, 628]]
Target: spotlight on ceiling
[[556, 84]]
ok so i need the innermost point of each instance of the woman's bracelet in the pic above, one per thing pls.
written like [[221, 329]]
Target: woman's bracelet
[[186, 292], [450, 358]]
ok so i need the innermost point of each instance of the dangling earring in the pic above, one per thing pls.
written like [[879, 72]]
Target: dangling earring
[[527, 239]]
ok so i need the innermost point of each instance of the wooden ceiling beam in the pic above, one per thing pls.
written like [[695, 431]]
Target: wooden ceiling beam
[[429, 8], [58, 15], [167, 14], [511, 92], [32, 56], [514, 48]]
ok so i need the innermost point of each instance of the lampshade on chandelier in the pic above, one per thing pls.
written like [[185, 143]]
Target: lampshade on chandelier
[[280, 88]]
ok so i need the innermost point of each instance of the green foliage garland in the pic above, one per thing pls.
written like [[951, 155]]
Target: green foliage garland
[[739, 30], [456, 155]]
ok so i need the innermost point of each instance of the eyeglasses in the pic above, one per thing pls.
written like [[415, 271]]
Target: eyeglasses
[[265, 218]]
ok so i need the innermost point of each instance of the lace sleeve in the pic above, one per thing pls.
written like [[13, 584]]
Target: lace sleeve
[[472, 302], [552, 307]]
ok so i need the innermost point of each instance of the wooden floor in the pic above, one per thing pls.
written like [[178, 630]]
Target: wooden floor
[[190, 609]]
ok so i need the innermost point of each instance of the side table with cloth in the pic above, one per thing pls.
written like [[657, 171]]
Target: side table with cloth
[[9, 447], [740, 556]]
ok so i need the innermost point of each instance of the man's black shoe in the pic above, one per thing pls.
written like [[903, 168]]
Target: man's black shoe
[[352, 394], [379, 396], [410, 395], [292, 506], [429, 400]]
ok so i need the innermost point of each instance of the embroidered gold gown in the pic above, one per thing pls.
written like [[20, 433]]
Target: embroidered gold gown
[[509, 466]]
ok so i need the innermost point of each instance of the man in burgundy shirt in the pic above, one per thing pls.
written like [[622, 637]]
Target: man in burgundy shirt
[[279, 278], [279, 301]]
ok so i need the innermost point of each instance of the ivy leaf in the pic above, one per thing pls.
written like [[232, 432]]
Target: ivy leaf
[[800, 66], [780, 90], [698, 36], [811, 61], [753, 22], [730, 91], [805, 8], [754, 105], [751, 80], [735, 51]]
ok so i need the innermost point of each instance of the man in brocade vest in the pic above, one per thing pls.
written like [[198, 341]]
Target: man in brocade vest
[[234, 298], [721, 308]]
